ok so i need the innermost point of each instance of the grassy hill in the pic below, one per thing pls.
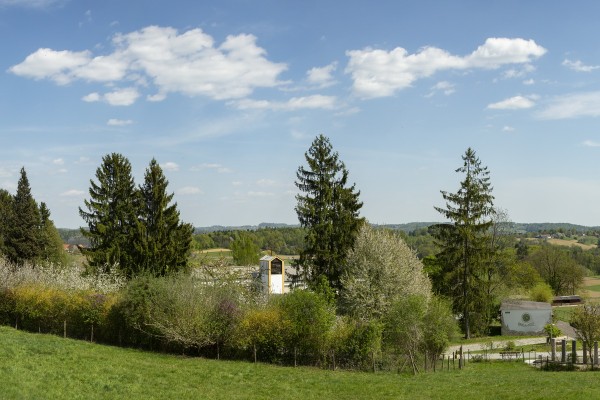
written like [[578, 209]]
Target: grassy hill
[[45, 366]]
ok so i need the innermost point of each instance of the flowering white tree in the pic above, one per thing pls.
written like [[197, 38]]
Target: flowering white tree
[[381, 269]]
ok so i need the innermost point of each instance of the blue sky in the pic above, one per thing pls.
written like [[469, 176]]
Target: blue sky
[[228, 95]]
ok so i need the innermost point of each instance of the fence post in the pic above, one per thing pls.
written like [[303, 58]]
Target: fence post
[[595, 360], [585, 357], [553, 348], [574, 352], [563, 353]]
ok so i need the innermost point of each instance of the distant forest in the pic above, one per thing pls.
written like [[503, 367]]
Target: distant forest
[[288, 239]]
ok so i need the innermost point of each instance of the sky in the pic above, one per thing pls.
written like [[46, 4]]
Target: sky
[[228, 95]]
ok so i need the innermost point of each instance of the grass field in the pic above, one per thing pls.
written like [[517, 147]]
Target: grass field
[[48, 367], [568, 243]]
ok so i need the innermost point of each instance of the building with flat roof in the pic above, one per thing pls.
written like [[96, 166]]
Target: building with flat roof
[[521, 317]]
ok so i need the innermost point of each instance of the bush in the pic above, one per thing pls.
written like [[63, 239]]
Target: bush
[[541, 292], [262, 330], [354, 344], [308, 319], [552, 331]]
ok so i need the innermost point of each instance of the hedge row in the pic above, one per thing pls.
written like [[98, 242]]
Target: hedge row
[[182, 314]]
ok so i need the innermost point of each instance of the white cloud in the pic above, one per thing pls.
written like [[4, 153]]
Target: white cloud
[[73, 193], [260, 194], [378, 73], [585, 104], [578, 66], [513, 103], [214, 166], [265, 182], [322, 77], [296, 134], [508, 129], [591, 143], [237, 183], [31, 3], [189, 63], [518, 72], [189, 190], [122, 97], [119, 122], [83, 160], [528, 82], [50, 64], [92, 97], [443, 86], [295, 103], [58, 161], [156, 97], [170, 166]]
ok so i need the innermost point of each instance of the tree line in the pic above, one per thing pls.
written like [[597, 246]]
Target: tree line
[[367, 274], [133, 229], [27, 233]]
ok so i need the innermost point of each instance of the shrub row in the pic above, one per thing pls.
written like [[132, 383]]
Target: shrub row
[[183, 314]]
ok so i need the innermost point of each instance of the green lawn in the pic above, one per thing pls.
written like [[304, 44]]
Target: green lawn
[[49, 367], [563, 313], [594, 288]]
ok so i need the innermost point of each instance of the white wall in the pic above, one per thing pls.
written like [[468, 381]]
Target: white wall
[[526, 320]]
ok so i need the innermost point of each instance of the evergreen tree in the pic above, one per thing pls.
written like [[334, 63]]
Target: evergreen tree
[[162, 242], [111, 215], [23, 242], [464, 242], [329, 210]]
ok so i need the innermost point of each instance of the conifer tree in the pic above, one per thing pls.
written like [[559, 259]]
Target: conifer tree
[[23, 241], [464, 241], [329, 210], [162, 241], [111, 215]]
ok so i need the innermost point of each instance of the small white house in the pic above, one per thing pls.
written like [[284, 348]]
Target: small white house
[[272, 274], [520, 317]]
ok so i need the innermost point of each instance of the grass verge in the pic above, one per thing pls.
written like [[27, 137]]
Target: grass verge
[[45, 366]]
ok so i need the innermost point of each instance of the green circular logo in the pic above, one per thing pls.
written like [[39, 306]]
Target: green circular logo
[[526, 317]]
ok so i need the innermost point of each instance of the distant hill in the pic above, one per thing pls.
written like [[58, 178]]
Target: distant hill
[[73, 236], [262, 225]]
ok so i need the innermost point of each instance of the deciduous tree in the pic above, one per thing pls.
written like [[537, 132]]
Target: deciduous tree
[[244, 250], [381, 268]]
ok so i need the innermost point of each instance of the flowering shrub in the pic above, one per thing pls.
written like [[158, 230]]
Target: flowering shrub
[[66, 278]]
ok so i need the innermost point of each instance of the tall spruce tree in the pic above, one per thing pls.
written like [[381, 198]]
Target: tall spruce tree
[[23, 242], [111, 215], [162, 241], [329, 210], [464, 242]]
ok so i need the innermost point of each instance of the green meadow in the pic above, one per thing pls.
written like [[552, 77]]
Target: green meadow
[[37, 366]]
